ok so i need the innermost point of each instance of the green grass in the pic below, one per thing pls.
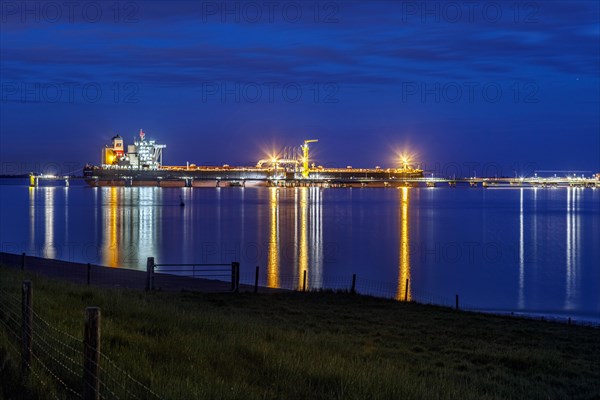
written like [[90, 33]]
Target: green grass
[[314, 346]]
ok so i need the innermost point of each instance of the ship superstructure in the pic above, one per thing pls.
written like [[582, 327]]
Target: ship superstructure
[[142, 154]]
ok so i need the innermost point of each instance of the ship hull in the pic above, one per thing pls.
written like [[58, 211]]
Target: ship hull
[[236, 177]]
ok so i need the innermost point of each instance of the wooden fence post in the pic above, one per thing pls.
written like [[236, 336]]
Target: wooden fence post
[[89, 270], [457, 302], [26, 326], [232, 276], [150, 274], [235, 276], [256, 280], [91, 351], [23, 261], [406, 291], [353, 288], [304, 282]]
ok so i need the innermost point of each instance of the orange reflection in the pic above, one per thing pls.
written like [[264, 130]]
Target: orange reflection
[[111, 249], [404, 292], [303, 245], [273, 258], [32, 191]]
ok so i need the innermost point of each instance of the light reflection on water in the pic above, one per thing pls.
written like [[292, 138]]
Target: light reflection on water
[[573, 242], [131, 225], [303, 256], [273, 255], [514, 249], [403, 292], [521, 251]]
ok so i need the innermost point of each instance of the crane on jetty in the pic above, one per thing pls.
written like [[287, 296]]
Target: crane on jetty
[[304, 147]]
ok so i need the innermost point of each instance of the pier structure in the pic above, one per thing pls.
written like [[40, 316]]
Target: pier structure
[[34, 180], [320, 177]]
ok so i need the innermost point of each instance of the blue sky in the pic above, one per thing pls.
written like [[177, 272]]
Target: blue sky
[[496, 86]]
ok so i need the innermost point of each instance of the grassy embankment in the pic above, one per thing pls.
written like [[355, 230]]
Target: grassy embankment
[[315, 346]]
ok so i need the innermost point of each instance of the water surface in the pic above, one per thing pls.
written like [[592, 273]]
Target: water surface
[[529, 250]]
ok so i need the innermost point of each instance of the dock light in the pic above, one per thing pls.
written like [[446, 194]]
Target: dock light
[[405, 159], [274, 162]]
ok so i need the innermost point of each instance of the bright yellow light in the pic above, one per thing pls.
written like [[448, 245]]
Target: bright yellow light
[[274, 160], [405, 159]]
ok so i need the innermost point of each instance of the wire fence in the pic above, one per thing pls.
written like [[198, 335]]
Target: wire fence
[[351, 283], [221, 277], [56, 359]]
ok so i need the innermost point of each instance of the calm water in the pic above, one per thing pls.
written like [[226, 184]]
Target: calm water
[[530, 250]]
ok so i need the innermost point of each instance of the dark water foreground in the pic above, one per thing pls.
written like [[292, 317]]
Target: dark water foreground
[[522, 250]]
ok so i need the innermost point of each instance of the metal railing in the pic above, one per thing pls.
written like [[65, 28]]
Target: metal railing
[[213, 271]]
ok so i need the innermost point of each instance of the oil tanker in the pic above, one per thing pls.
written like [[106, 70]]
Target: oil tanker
[[141, 165]]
